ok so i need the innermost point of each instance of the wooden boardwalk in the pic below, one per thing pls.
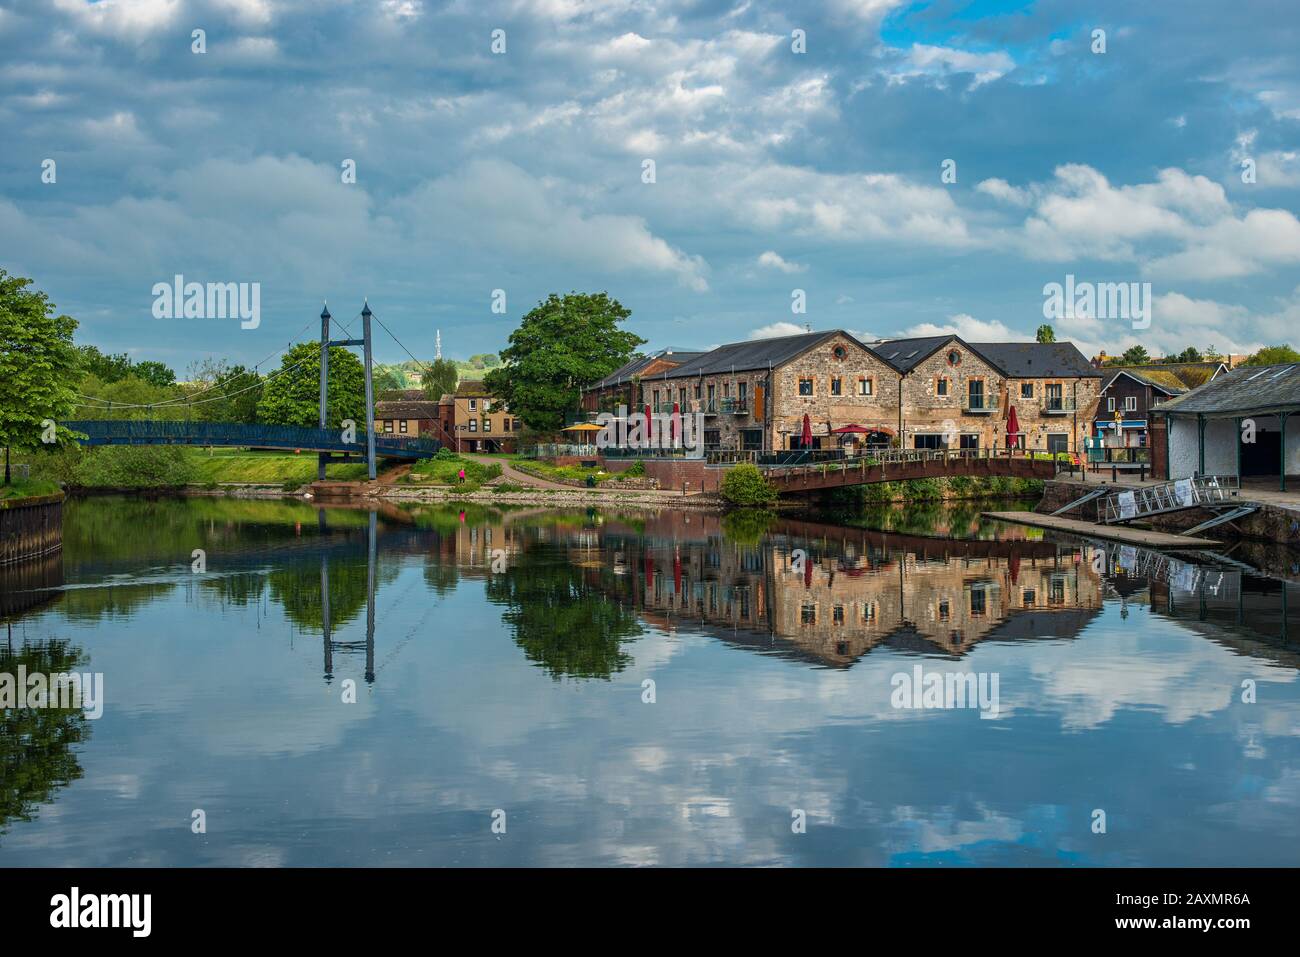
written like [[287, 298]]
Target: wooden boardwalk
[[1117, 533]]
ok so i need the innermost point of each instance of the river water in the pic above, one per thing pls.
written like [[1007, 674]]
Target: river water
[[487, 686]]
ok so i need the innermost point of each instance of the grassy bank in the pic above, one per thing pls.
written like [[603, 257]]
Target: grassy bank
[[28, 488], [265, 468], [444, 469]]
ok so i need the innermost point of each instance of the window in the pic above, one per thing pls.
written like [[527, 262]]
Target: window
[[1130, 403], [954, 358], [928, 441], [473, 404], [969, 442], [473, 425], [487, 425], [868, 612], [1058, 441], [945, 610], [712, 438], [1026, 390], [805, 387], [1030, 598], [388, 425], [697, 390], [837, 615], [837, 387], [979, 601], [1055, 397], [839, 352], [402, 425], [751, 440], [975, 394], [713, 399], [808, 614], [744, 394], [941, 387], [1110, 404], [866, 387]]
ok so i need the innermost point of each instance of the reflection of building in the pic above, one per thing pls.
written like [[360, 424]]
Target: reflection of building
[[853, 589]]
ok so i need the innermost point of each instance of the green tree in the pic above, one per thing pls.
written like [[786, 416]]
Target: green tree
[[1046, 333], [1190, 354], [38, 365], [564, 344], [440, 378], [386, 379], [155, 373], [292, 396], [1135, 356], [130, 398], [106, 368], [1272, 356]]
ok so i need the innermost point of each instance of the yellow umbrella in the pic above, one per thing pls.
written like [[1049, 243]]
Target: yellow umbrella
[[584, 427]]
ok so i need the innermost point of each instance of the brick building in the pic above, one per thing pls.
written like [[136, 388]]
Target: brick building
[[473, 420], [622, 386]]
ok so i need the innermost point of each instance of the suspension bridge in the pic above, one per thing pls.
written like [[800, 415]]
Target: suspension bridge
[[359, 441]]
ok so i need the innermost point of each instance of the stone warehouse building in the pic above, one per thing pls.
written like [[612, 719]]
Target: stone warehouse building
[[960, 395], [932, 392], [754, 395]]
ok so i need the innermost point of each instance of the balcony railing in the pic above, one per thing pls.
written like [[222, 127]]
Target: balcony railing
[[976, 405], [1059, 405], [735, 406]]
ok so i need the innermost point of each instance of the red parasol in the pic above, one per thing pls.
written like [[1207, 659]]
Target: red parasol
[[805, 440], [1013, 429], [677, 573], [853, 429], [807, 572], [673, 424], [1013, 563]]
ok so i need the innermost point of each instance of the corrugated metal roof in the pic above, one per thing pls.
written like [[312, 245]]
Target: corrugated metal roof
[[1243, 391]]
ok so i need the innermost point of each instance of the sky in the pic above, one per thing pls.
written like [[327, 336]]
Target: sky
[[798, 150]]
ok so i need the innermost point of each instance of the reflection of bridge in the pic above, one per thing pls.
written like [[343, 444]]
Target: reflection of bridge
[[137, 432]]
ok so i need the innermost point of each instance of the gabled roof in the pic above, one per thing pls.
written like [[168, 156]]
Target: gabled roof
[[905, 354], [1038, 360], [1245, 390], [1165, 381], [633, 368], [752, 354], [407, 409]]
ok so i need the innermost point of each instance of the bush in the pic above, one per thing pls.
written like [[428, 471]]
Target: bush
[[746, 485], [635, 470], [444, 454], [134, 466]]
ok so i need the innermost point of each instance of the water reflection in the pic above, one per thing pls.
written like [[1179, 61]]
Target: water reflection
[[501, 654]]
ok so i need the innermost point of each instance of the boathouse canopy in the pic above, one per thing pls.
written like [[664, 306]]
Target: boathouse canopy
[[1241, 423]]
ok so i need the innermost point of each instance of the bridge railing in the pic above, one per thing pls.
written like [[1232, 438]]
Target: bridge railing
[[149, 432]]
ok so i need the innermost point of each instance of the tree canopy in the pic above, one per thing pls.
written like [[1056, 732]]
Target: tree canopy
[[1273, 355], [562, 345], [38, 364], [292, 396], [440, 377], [1046, 333]]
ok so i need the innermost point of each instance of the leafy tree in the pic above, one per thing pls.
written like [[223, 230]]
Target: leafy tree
[[1046, 333], [440, 378], [220, 392], [1135, 356], [387, 379], [561, 346], [38, 365], [130, 398], [155, 373], [134, 466], [1190, 354], [484, 360], [1272, 356], [106, 368], [292, 396]]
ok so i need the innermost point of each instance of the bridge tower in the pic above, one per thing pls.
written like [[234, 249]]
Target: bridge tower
[[365, 343]]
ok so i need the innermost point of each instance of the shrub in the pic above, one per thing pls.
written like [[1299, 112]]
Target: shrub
[[444, 453], [134, 466], [746, 485], [635, 470]]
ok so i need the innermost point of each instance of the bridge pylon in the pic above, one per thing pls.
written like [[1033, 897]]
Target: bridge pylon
[[365, 342]]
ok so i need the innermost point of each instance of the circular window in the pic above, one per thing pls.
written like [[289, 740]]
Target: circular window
[[954, 358], [839, 352]]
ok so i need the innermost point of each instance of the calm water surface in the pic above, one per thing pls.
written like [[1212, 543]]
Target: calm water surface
[[503, 664]]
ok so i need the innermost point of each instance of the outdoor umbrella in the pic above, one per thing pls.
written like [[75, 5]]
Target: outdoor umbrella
[[851, 430], [673, 424], [1013, 428], [805, 439]]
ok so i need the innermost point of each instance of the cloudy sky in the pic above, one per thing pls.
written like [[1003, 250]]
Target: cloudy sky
[[774, 170]]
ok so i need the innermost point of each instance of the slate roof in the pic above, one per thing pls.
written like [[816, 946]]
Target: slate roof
[[630, 369], [1243, 391], [419, 409], [751, 354], [1038, 360], [904, 354]]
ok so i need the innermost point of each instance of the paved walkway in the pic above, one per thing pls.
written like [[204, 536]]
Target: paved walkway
[[511, 474]]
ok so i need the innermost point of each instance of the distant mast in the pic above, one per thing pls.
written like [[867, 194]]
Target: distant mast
[[437, 345]]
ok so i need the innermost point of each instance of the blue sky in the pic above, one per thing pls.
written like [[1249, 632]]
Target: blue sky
[[774, 170]]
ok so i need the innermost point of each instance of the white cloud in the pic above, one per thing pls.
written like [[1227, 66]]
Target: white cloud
[[773, 260], [776, 329], [122, 18], [969, 328], [940, 63], [1002, 190]]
